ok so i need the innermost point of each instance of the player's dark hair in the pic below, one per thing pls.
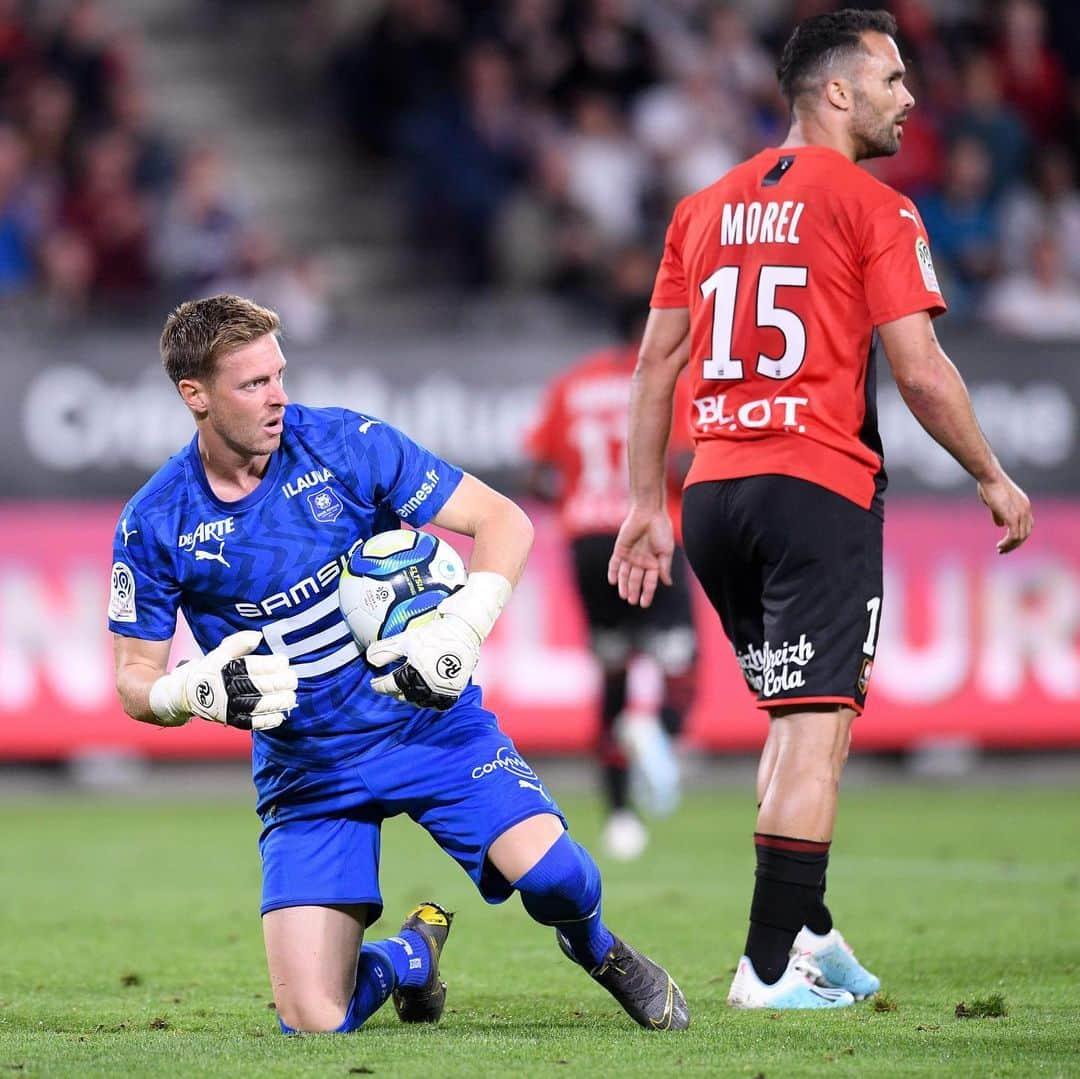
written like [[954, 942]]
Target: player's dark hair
[[819, 43], [198, 333]]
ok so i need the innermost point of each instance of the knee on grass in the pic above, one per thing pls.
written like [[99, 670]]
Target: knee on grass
[[312, 1015]]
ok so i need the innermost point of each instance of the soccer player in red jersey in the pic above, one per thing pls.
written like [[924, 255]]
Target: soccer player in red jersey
[[772, 285], [578, 446]]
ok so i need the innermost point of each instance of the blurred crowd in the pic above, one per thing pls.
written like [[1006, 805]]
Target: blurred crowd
[[99, 207], [536, 139], [535, 142]]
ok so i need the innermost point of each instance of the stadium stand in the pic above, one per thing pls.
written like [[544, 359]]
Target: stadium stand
[[533, 138], [325, 153]]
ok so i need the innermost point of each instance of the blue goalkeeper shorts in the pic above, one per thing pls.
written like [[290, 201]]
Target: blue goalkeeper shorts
[[462, 779]]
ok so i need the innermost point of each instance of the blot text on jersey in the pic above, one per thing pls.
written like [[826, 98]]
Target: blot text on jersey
[[775, 412]]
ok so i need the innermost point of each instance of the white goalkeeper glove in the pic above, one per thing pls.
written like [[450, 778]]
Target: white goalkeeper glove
[[228, 686], [440, 655]]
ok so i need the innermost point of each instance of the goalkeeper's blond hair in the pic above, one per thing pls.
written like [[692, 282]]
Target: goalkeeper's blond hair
[[199, 332]]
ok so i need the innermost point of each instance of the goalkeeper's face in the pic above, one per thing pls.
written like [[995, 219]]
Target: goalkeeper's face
[[245, 400]]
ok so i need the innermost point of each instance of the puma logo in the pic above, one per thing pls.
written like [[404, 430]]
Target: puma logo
[[908, 213], [534, 787], [127, 534], [201, 556]]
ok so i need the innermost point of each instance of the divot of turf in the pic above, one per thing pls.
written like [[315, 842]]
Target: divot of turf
[[991, 1007]]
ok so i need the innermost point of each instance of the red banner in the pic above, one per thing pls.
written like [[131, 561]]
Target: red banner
[[973, 645]]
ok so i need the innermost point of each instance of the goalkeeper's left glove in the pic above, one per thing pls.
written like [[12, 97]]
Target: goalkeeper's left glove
[[440, 655]]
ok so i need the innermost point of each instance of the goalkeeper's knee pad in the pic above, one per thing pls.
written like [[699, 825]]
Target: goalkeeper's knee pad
[[564, 886]]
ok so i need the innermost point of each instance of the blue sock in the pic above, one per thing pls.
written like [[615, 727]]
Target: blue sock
[[383, 965], [563, 890], [408, 955]]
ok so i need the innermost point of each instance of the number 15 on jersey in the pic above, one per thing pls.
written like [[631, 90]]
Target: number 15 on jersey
[[723, 286]]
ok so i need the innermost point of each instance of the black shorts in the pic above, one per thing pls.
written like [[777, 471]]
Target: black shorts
[[794, 571], [664, 629]]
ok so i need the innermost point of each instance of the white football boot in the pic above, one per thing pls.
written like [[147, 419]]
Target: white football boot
[[832, 956], [654, 767], [796, 988], [624, 837]]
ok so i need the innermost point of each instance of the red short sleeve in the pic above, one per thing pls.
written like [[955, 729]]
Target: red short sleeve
[[898, 271], [670, 288]]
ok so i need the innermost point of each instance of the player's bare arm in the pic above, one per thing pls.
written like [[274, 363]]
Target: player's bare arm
[[644, 545], [139, 664], [501, 530], [935, 392]]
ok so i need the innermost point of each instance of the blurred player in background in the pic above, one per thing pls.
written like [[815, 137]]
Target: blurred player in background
[[578, 447], [246, 531], [771, 285]]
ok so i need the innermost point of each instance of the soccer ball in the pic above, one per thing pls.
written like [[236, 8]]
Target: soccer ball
[[395, 580]]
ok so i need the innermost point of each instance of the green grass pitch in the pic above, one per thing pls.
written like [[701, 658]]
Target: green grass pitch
[[130, 946]]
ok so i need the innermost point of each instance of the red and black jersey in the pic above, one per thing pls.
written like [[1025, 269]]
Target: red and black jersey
[[787, 264], [581, 432]]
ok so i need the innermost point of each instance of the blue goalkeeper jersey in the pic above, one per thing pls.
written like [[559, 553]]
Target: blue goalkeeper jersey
[[271, 561]]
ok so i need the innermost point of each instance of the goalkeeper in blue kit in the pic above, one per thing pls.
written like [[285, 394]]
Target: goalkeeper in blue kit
[[246, 531]]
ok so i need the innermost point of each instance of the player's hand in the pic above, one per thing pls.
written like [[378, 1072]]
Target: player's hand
[[1011, 509], [642, 555], [440, 657], [228, 686]]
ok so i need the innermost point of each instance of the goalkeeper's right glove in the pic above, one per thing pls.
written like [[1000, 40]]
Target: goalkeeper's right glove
[[228, 686]]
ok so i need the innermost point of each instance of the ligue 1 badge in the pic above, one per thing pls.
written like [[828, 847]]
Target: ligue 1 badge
[[864, 675], [325, 506], [926, 265], [122, 594]]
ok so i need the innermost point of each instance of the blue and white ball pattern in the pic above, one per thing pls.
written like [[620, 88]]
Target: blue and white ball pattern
[[395, 580]]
